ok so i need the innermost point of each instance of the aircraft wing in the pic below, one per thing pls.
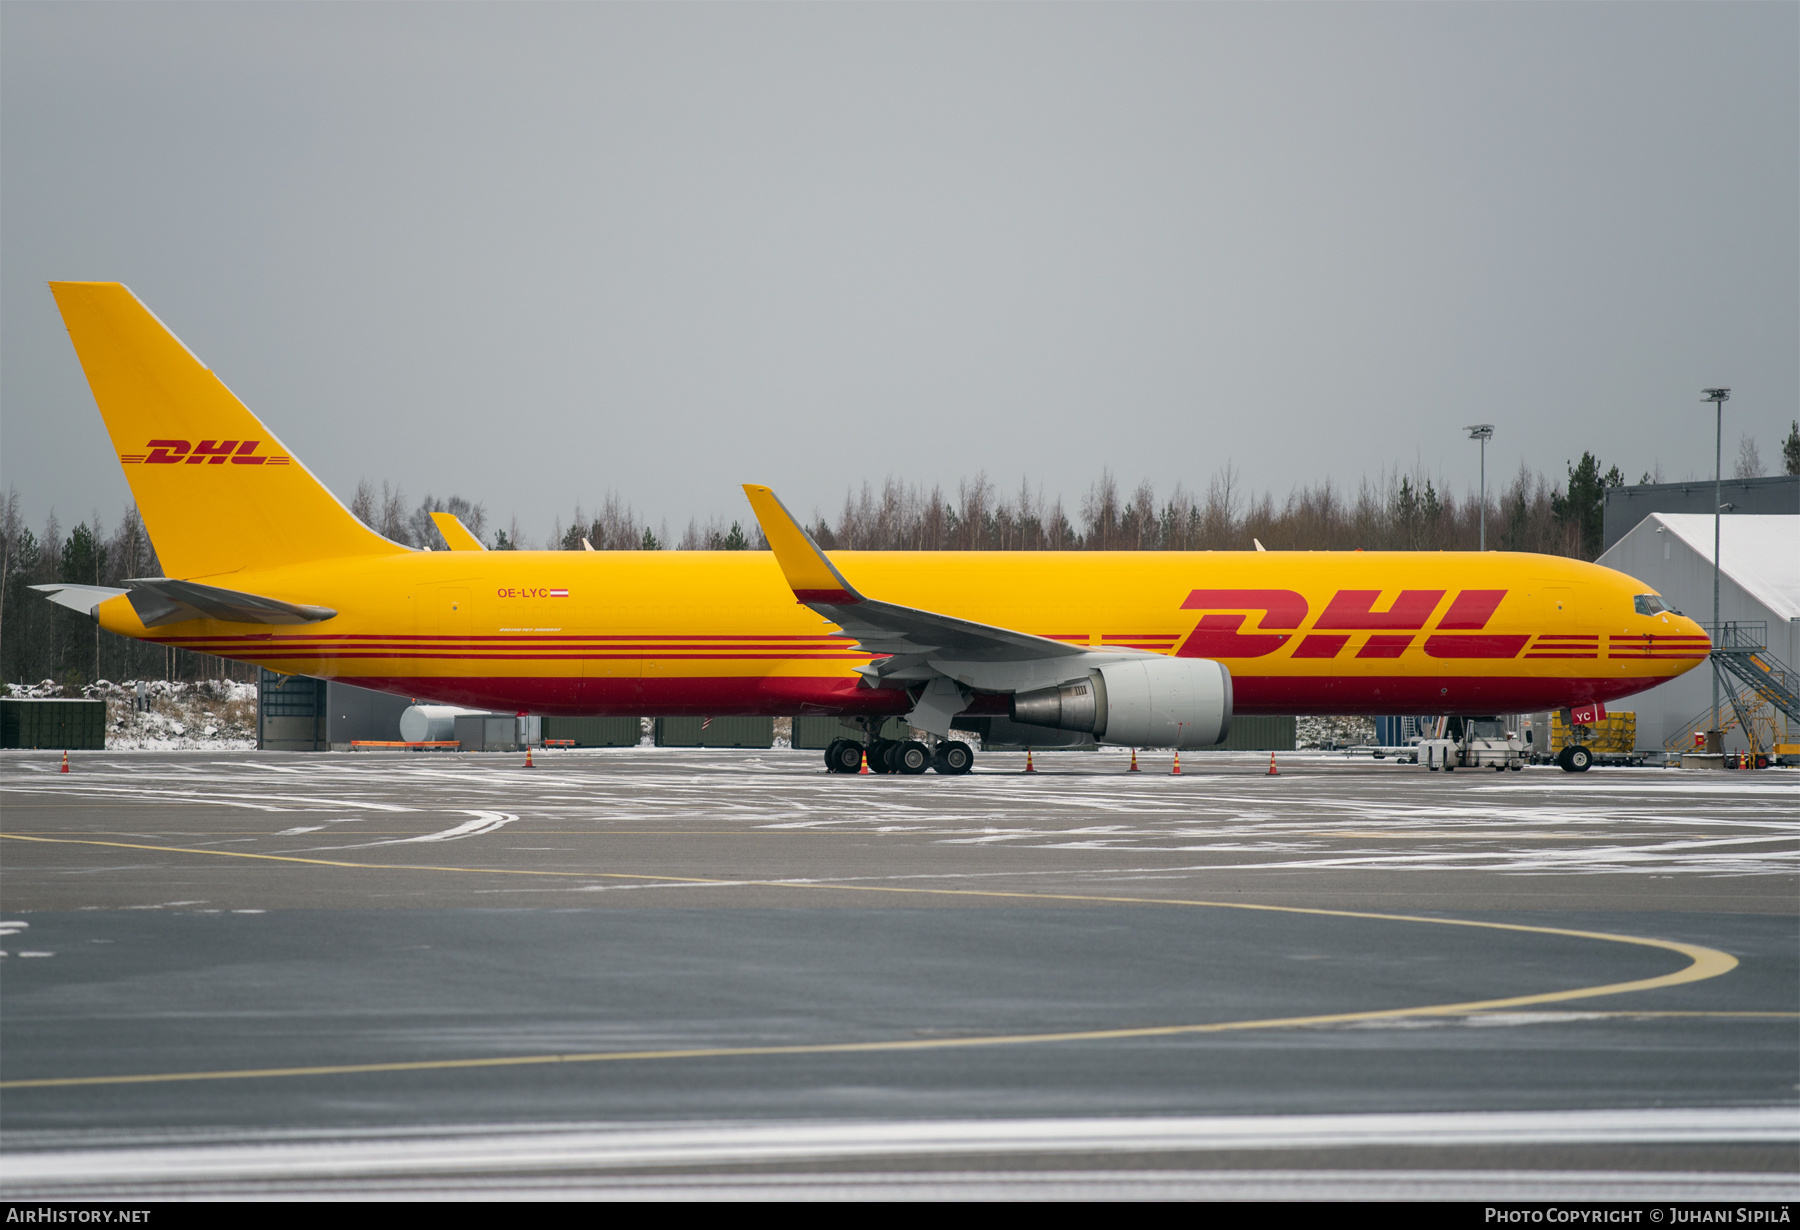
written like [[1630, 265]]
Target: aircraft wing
[[163, 600], [886, 627]]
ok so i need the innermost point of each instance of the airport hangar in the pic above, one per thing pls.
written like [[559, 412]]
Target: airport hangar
[[1669, 546]]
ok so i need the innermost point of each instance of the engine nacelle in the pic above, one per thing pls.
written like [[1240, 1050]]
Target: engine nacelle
[[1152, 702]]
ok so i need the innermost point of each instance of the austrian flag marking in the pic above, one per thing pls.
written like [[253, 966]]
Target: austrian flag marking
[[559, 593]]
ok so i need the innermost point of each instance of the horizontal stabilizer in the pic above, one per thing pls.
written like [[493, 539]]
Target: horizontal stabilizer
[[456, 534], [83, 598], [161, 600]]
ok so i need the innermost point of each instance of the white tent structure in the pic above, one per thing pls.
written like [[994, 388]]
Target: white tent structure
[[1759, 583]]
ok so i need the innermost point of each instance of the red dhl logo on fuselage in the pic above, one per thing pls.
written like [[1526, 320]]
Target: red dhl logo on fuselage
[[207, 452], [1391, 632]]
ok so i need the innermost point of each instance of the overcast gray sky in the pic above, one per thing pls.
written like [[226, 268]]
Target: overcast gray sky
[[528, 253]]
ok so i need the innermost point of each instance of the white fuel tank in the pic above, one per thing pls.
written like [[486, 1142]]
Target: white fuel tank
[[431, 723]]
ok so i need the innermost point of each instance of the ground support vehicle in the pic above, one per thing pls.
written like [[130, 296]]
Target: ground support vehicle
[[1473, 743]]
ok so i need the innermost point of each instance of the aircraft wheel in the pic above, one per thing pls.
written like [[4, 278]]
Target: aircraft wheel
[[844, 756], [910, 757], [954, 757], [1579, 760], [1562, 760], [880, 754]]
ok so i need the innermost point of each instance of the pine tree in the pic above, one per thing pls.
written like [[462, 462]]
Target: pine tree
[[1790, 449], [1583, 508]]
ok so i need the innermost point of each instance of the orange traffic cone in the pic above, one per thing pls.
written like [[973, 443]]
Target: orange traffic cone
[[528, 763], [1273, 772], [865, 763], [1176, 771], [1029, 768], [65, 767], [1133, 768]]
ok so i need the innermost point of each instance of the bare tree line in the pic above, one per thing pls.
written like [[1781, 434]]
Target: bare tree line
[[386, 513], [1395, 512], [1401, 512]]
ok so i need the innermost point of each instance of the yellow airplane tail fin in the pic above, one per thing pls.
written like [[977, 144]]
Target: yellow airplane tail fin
[[217, 490]]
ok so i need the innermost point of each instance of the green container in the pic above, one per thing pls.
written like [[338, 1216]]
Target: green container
[[58, 725], [722, 732], [596, 731], [1259, 734], [818, 732]]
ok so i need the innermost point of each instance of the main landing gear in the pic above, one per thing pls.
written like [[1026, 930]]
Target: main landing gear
[[899, 756]]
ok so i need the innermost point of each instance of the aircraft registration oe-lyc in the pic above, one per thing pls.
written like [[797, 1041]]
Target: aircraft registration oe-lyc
[[1148, 649]]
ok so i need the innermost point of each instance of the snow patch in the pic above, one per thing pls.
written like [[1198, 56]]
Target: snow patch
[[211, 714]]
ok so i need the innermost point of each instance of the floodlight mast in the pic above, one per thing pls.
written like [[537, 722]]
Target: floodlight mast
[[1718, 397], [1482, 432]]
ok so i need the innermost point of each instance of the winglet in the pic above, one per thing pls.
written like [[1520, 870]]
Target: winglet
[[456, 534], [809, 573]]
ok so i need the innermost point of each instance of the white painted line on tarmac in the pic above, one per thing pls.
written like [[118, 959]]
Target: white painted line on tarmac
[[484, 822], [479, 1150], [1493, 1186]]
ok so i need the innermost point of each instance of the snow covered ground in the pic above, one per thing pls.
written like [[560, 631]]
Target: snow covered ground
[[215, 714], [1329, 732]]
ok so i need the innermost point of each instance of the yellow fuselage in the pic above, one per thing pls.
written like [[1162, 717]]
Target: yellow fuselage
[[708, 633]]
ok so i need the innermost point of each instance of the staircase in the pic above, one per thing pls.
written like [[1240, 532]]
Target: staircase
[[1742, 650], [1758, 685]]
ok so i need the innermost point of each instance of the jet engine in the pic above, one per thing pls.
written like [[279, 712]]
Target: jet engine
[[1154, 702]]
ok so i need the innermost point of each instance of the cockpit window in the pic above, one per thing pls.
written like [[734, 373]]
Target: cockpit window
[[1650, 604]]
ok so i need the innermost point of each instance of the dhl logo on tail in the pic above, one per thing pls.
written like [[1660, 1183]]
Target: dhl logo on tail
[[207, 452]]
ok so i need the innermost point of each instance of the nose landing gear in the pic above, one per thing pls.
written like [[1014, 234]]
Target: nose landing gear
[[1575, 759]]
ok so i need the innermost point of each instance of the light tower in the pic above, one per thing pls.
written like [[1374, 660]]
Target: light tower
[[1482, 432], [1718, 397]]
